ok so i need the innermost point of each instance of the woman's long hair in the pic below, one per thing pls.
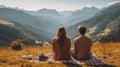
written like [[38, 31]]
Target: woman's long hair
[[61, 35]]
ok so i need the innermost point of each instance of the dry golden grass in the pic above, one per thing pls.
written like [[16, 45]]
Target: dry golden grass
[[109, 52]]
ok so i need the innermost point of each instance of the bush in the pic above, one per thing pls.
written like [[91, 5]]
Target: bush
[[16, 45]]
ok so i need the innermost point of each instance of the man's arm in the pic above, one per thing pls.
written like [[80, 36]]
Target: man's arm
[[69, 44], [75, 47]]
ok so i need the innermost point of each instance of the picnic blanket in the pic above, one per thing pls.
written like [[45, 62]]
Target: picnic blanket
[[92, 61]]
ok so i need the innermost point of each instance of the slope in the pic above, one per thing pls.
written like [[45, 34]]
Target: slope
[[105, 24]]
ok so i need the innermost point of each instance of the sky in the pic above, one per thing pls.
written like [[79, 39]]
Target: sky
[[59, 5]]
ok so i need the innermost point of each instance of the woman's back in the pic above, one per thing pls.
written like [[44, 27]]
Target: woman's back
[[61, 51]]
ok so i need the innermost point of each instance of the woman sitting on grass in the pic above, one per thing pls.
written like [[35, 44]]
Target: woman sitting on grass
[[61, 45]]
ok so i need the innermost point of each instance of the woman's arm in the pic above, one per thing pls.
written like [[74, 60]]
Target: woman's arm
[[53, 46]]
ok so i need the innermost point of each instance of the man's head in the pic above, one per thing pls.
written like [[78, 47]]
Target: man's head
[[82, 29]]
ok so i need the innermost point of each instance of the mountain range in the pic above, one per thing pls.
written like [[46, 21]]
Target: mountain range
[[103, 27], [39, 25], [43, 22], [80, 15], [102, 24]]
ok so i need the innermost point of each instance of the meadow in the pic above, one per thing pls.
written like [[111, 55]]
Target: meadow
[[108, 52]]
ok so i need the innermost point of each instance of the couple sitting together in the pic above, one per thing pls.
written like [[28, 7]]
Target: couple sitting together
[[62, 45]]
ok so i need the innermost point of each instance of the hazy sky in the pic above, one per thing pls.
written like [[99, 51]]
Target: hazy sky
[[59, 5]]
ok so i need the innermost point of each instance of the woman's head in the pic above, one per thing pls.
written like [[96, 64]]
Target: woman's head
[[61, 32], [61, 35]]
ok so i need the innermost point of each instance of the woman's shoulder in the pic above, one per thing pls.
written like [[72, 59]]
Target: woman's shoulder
[[55, 39], [68, 38]]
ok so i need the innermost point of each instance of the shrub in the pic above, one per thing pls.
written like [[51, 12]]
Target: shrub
[[16, 45]]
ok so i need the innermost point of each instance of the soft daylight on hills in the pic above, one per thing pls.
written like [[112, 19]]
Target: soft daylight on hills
[[28, 27]]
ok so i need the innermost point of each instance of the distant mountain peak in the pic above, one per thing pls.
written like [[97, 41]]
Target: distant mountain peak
[[89, 8], [47, 10]]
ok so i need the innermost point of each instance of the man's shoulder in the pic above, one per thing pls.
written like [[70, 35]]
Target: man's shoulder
[[79, 37], [76, 38], [87, 37]]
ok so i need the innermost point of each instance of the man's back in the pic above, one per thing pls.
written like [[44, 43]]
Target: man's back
[[82, 47]]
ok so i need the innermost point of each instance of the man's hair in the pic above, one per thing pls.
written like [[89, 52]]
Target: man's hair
[[82, 29]]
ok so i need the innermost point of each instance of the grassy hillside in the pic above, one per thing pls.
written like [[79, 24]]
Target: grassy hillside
[[109, 52], [39, 24], [10, 31]]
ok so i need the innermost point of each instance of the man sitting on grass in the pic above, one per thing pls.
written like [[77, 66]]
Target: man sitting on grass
[[82, 45]]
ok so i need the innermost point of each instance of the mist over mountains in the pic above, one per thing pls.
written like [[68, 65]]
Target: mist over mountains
[[68, 17], [62, 17], [81, 15], [43, 24], [44, 21]]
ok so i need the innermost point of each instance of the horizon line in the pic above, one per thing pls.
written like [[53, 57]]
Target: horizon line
[[51, 8]]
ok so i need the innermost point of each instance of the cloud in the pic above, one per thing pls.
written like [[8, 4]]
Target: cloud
[[111, 3], [60, 5]]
